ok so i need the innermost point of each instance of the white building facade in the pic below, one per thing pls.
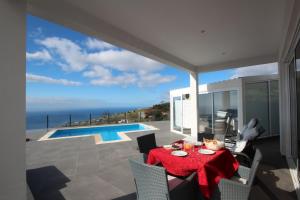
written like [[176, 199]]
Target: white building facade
[[240, 98]]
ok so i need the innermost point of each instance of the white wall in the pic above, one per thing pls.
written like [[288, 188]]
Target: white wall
[[12, 99], [187, 109]]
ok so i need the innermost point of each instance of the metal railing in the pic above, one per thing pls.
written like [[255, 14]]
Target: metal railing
[[90, 119]]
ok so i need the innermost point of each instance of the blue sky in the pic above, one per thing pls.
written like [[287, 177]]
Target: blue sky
[[66, 69]]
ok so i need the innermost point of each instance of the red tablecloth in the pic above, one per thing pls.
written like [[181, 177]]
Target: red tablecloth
[[210, 168]]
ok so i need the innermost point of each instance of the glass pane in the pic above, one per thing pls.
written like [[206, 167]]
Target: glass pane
[[177, 110], [256, 99], [274, 108], [186, 112], [293, 108], [225, 112], [205, 113], [297, 55]]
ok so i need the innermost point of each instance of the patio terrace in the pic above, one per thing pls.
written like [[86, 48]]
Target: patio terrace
[[79, 169]]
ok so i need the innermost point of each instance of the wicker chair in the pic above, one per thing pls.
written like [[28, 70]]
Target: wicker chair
[[153, 183], [243, 147], [146, 143], [239, 186]]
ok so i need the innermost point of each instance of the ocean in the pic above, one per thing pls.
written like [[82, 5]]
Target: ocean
[[38, 119]]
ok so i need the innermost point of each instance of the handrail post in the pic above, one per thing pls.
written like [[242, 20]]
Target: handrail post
[[125, 117], [70, 120], [47, 121], [90, 119]]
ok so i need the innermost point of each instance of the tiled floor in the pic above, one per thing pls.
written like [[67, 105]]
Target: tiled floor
[[79, 169]]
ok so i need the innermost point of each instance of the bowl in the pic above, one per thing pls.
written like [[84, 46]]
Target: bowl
[[214, 145]]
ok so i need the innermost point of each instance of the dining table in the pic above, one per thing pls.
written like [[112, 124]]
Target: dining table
[[210, 168]]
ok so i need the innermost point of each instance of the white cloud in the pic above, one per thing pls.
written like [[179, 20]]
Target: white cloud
[[103, 77], [130, 68], [150, 80], [49, 80], [265, 69], [93, 43], [68, 51], [39, 55], [124, 61]]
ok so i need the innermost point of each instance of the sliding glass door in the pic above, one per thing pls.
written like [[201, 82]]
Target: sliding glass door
[[257, 103], [274, 107], [218, 112], [294, 78], [225, 108], [297, 68], [262, 102], [205, 113]]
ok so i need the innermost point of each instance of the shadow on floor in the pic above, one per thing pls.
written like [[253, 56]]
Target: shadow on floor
[[273, 177], [46, 182]]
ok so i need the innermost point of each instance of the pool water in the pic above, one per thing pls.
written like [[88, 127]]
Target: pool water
[[107, 133]]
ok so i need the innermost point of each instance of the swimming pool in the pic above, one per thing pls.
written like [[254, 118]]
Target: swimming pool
[[107, 133]]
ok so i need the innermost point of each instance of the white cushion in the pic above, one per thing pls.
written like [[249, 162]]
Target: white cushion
[[250, 134], [173, 182], [240, 146], [252, 123]]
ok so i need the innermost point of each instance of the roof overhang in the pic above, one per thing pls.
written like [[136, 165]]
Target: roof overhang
[[195, 35]]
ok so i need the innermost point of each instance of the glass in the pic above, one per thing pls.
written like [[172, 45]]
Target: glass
[[214, 109], [205, 113], [225, 112], [297, 55], [177, 113], [188, 146], [293, 103], [257, 103], [274, 108]]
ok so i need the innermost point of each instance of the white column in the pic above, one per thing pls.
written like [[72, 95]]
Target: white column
[[194, 104], [12, 99]]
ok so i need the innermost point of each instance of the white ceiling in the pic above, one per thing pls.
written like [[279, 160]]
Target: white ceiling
[[193, 34]]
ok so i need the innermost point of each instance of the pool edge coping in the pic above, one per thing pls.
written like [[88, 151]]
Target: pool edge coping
[[97, 138]]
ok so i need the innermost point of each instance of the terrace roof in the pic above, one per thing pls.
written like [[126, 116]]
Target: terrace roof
[[196, 35]]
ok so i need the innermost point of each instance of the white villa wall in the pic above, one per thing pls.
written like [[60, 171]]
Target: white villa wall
[[228, 85], [186, 113], [12, 99], [187, 108]]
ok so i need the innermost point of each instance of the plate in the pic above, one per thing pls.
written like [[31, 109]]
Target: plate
[[167, 146], [179, 153], [206, 151]]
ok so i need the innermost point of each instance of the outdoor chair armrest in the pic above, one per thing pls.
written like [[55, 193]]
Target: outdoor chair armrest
[[231, 190], [248, 159], [243, 172], [241, 154]]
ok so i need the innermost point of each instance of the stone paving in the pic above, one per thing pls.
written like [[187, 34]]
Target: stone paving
[[77, 168]]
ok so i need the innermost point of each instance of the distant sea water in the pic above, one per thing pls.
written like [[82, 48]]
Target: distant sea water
[[38, 119]]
